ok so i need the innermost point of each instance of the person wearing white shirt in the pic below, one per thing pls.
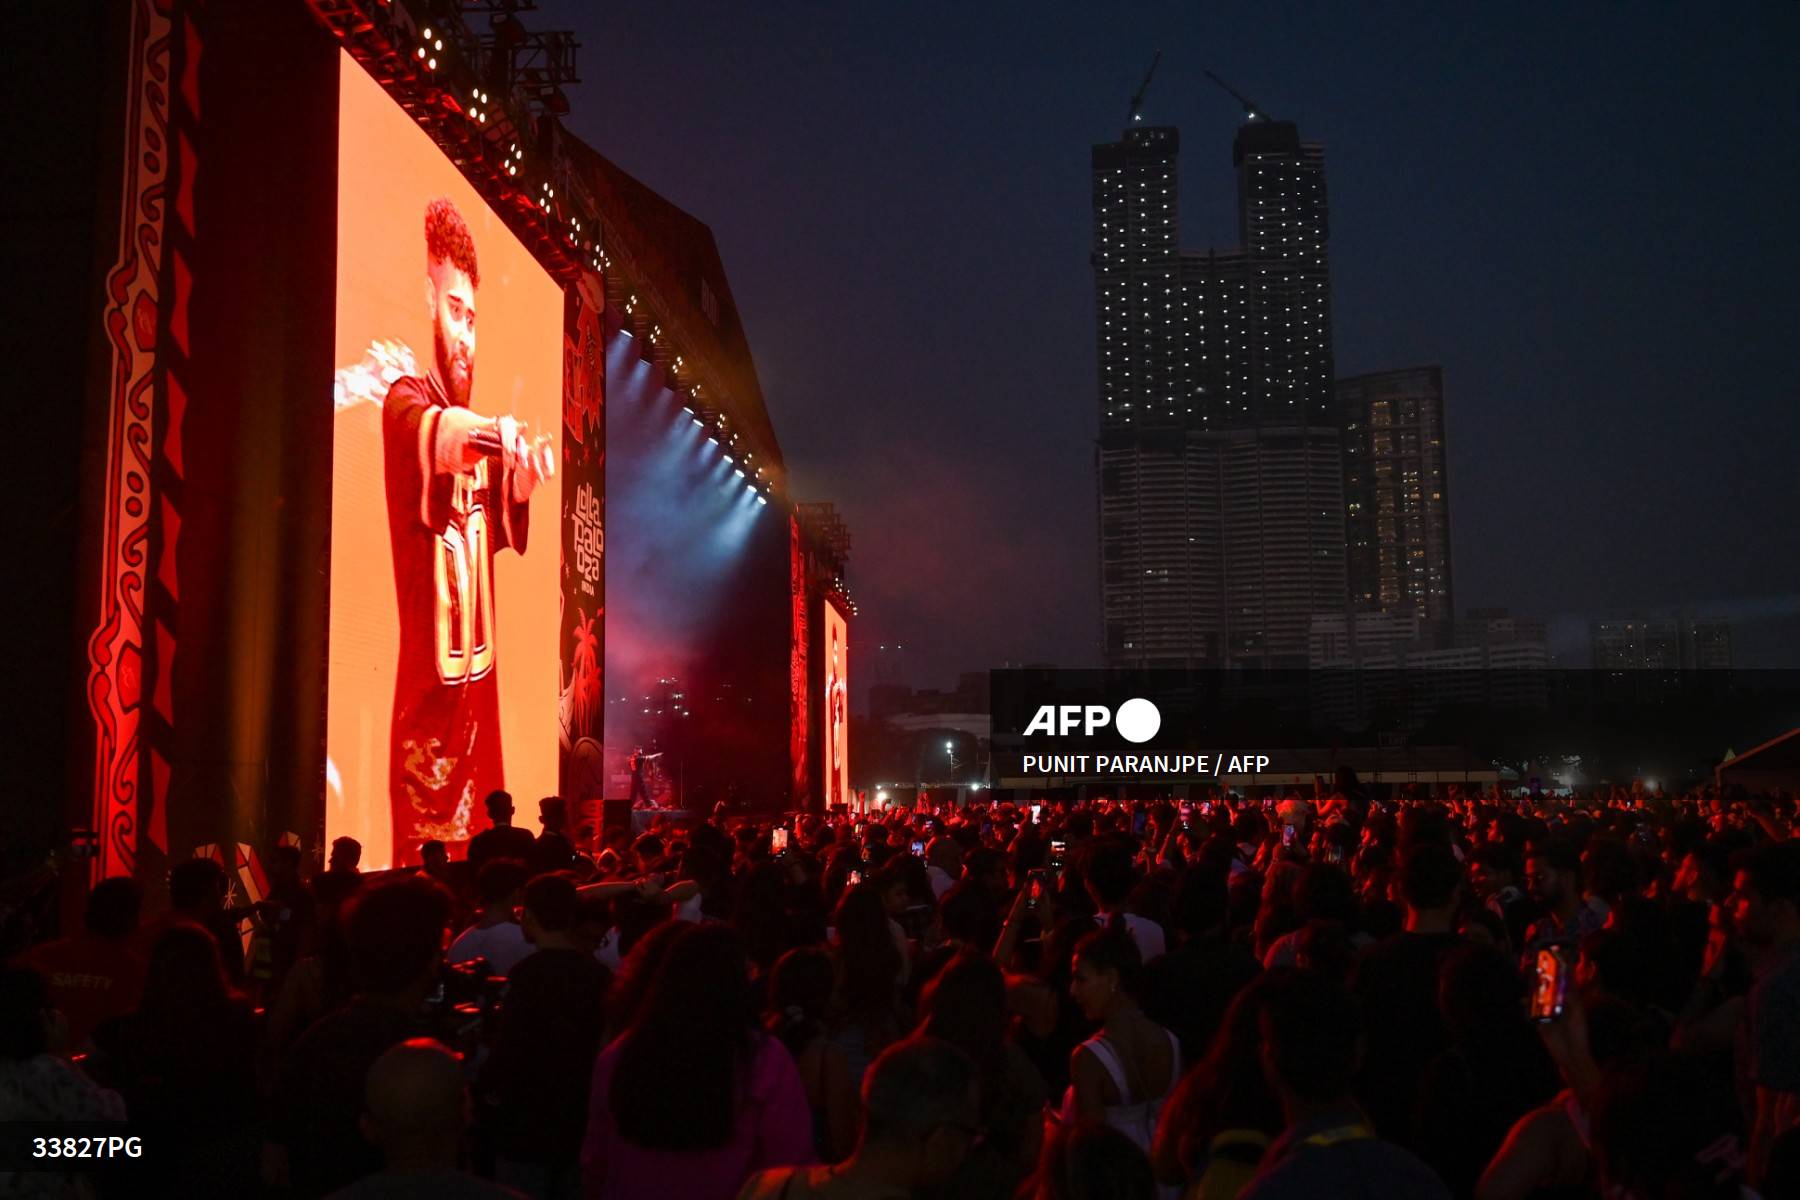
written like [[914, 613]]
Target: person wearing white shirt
[[943, 863], [1110, 879], [496, 935]]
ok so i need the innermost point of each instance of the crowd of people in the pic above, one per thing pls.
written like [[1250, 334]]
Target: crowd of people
[[1336, 992]]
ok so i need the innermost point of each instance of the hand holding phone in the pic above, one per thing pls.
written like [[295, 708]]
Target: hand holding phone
[[1550, 987], [1034, 889]]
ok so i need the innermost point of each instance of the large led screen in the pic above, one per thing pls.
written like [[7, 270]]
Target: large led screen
[[837, 707], [446, 503]]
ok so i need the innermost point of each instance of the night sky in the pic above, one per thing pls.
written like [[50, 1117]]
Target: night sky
[[1587, 217]]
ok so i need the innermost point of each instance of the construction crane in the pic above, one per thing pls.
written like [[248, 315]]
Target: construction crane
[[1252, 111], [1137, 100]]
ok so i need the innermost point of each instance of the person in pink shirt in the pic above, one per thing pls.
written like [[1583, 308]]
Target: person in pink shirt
[[693, 1097]]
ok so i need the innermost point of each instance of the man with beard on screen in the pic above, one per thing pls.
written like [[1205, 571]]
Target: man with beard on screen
[[458, 492]]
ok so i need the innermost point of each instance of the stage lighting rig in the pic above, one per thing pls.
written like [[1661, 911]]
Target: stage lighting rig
[[533, 64]]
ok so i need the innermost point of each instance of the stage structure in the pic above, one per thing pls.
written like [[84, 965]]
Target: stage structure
[[822, 556], [699, 641], [343, 564]]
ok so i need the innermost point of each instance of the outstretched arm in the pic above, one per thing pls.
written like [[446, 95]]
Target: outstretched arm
[[649, 889]]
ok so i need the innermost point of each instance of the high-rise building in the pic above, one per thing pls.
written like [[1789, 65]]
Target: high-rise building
[[1396, 492], [1706, 644], [1284, 224], [1681, 642], [1221, 488], [1136, 292]]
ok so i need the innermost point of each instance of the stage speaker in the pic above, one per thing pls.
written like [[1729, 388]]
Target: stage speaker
[[614, 815]]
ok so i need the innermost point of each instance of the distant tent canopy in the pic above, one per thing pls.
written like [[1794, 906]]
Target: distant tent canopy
[[1774, 764]]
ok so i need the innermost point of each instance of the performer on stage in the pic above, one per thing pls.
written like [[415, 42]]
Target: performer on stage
[[458, 491], [640, 796]]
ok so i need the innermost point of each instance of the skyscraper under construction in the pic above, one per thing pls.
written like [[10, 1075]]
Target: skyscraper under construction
[[1220, 486]]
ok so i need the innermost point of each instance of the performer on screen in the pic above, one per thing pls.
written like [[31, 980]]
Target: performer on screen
[[458, 491]]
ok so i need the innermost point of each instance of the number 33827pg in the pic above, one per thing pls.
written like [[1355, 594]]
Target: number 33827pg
[[87, 1147]]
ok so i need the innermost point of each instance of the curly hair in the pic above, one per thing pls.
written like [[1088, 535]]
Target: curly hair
[[447, 238]]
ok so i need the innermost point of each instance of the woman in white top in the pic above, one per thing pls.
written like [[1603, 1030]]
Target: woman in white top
[[1123, 1073]]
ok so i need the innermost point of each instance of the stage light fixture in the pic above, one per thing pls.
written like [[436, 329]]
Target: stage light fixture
[[431, 64]]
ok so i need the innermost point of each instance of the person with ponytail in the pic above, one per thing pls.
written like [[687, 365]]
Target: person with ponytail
[[1123, 1073]]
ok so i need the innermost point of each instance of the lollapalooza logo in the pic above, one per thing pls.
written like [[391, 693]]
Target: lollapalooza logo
[[590, 537]]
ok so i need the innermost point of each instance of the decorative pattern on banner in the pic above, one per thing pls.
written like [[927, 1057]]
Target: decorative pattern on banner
[[132, 318], [583, 641], [246, 881], [799, 723]]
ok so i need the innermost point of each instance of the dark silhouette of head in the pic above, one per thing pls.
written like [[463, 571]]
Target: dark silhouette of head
[[113, 908], [346, 854], [186, 977], [965, 1005], [551, 905], [395, 933], [500, 808], [1090, 1160], [415, 1105], [1310, 1036], [197, 886], [920, 1099], [434, 856], [696, 1029]]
